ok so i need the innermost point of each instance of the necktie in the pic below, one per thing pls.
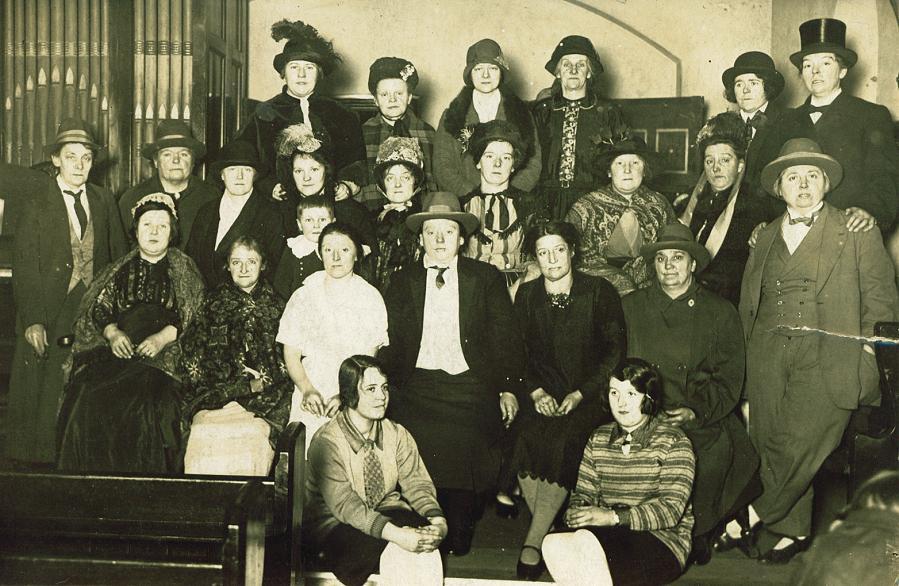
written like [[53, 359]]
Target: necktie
[[498, 201], [439, 280], [400, 128], [807, 220], [79, 211], [373, 475], [758, 120]]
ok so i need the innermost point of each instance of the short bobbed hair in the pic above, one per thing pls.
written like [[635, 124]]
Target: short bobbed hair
[[349, 377], [346, 230], [645, 378], [250, 243], [153, 206], [769, 84], [314, 201]]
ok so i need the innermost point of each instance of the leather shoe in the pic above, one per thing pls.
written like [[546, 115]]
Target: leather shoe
[[725, 542], [784, 555], [506, 511], [700, 552], [530, 572], [458, 543]]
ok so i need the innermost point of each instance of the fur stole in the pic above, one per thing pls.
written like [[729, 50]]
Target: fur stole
[[516, 112]]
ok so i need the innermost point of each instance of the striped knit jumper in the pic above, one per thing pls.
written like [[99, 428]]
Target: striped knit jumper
[[654, 480]]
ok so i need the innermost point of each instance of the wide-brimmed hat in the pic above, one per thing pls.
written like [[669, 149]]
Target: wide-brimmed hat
[[173, 133], [495, 130], [485, 51], [762, 65], [574, 45], [800, 151], [399, 150], [676, 236], [75, 130], [606, 150], [238, 152], [303, 43], [392, 68], [442, 205], [823, 35]]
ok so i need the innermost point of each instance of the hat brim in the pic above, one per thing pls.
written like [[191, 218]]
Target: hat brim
[[468, 221], [216, 168], [696, 251], [730, 74], [772, 170], [592, 56], [282, 59], [849, 56], [466, 75], [149, 149], [99, 151]]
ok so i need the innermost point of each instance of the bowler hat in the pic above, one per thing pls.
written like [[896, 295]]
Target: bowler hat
[[173, 133], [823, 35], [678, 237], [303, 43], [495, 130], [442, 205], [485, 51], [238, 152], [74, 130], [392, 68], [574, 45], [800, 151], [762, 65]]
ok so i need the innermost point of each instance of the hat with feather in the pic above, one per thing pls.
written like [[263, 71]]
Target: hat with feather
[[724, 128], [303, 43]]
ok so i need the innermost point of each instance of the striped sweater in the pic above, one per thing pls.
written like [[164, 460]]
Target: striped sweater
[[653, 481]]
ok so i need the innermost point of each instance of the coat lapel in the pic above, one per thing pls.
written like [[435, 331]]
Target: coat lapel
[[466, 296], [418, 287], [241, 224], [762, 250], [832, 243]]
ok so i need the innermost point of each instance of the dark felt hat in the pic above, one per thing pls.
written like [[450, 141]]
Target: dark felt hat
[[823, 35], [574, 45], [442, 205], [800, 151], [487, 132], [173, 133], [75, 130], [676, 236], [485, 51], [605, 151], [392, 68], [238, 152], [303, 43], [762, 65]]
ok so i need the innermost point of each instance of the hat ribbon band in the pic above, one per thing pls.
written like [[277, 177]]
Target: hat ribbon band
[[74, 136], [440, 208]]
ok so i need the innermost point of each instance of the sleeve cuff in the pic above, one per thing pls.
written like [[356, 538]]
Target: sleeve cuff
[[377, 527]]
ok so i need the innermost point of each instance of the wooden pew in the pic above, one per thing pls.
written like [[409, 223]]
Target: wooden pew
[[57, 528]]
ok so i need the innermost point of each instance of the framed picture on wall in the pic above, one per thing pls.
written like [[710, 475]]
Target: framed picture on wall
[[673, 146]]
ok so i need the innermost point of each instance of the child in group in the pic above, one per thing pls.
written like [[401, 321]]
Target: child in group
[[300, 258]]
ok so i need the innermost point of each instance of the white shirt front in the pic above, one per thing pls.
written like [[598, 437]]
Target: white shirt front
[[821, 102], [794, 234], [748, 116], [486, 105], [70, 203], [229, 209], [441, 342]]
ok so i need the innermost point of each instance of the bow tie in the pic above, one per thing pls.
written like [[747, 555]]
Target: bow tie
[[398, 206], [819, 109], [807, 220], [758, 120]]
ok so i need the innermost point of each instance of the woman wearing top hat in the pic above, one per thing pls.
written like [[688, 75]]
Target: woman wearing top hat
[[240, 211], [484, 98], [305, 60], [66, 234], [855, 132], [567, 121]]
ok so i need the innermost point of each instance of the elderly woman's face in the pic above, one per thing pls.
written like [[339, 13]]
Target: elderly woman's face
[[154, 230], [238, 179], [174, 163], [338, 255], [300, 77], [803, 187], [749, 90], [626, 172], [485, 77], [308, 175], [554, 257], [392, 98], [721, 166], [573, 71], [626, 404], [674, 268], [399, 184], [374, 395], [245, 266]]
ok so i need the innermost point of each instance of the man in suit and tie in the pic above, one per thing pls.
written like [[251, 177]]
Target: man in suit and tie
[[811, 286], [65, 236], [456, 358], [855, 132], [240, 211]]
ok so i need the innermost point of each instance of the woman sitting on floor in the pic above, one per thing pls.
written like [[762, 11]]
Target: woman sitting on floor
[[240, 396], [370, 503], [629, 517]]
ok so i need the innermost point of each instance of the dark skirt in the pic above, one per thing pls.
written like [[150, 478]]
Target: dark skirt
[[352, 555], [455, 420], [121, 416]]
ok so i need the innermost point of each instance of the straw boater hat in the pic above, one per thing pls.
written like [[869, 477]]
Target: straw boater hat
[[75, 130], [676, 236], [574, 45], [442, 205], [303, 43], [800, 151], [238, 152], [823, 35], [762, 65], [485, 51], [173, 133], [392, 68]]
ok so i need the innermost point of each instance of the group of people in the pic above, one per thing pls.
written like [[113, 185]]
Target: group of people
[[498, 306]]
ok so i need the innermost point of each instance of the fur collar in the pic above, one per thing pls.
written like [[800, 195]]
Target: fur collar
[[516, 112]]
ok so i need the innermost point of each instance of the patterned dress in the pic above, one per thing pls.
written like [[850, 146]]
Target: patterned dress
[[397, 245]]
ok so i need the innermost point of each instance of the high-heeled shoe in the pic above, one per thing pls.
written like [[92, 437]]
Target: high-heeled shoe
[[530, 572]]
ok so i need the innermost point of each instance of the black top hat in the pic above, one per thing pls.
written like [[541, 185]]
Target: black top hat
[[303, 43], [574, 45], [758, 63], [392, 68], [238, 152], [75, 130], [173, 133], [823, 35]]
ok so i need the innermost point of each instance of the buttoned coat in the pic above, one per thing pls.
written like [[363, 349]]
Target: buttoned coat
[[763, 148], [855, 289]]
